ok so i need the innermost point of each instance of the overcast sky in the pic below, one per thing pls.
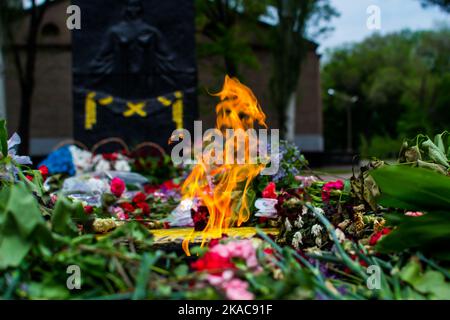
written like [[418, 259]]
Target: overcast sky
[[395, 15]]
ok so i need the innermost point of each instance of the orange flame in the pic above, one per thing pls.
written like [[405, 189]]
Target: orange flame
[[223, 186]]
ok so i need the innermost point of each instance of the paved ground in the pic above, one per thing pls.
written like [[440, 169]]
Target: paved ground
[[334, 173]]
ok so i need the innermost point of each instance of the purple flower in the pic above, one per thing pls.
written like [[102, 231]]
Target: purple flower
[[13, 142]]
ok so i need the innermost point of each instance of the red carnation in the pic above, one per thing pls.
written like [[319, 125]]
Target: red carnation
[[44, 171], [117, 187], [213, 263], [377, 236], [169, 185], [128, 207], [144, 207], [88, 209], [29, 178], [200, 218], [213, 242], [269, 191], [262, 220], [139, 197], [149, 189], [110, 156]]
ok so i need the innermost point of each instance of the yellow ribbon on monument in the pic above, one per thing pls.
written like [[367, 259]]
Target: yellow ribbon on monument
[[135, 108]]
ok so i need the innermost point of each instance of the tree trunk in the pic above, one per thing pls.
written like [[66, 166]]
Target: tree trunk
[[28, 83], [2, 84], [290, 117], [25, 119]]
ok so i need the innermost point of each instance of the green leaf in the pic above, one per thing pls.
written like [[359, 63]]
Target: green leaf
[[412, 188], [21, 225], [433, 282], [62, 222], [429, 233], [143, 276], [181, 271], [3, 138], [47, 290], [411, 272]]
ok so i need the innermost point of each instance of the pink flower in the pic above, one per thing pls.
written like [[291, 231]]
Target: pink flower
[[117, 187], [218, 263], [120, 214], [54, 198], [414, 214], [241, 249], [338, 185], [219, 279], [331, 185], [306, 181], [236, 289]]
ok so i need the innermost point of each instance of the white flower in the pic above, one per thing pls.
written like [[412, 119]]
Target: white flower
[[122, 165], [306, 181], [288, 225], [339, 234], [297, 240], [316, 230], [318, 241], [299, 222], [81, 159], [97, 186], [304, 210], [102, 166]]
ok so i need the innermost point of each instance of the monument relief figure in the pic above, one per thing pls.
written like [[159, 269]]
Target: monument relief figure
[[137, 54], [134, 70]]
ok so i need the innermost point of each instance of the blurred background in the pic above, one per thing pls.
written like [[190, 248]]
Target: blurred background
[[339, 78]]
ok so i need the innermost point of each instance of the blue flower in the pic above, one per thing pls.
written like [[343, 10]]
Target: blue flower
[[60, 161]]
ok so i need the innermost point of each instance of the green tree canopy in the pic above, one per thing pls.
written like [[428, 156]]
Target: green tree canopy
[[444, 4], [402, 81]]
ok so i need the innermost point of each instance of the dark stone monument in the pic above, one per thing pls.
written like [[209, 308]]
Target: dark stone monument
[[134, 70]]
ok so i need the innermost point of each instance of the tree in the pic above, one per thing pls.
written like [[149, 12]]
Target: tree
[[228, 25], [402, 81], [25, 63], [289, 47], [2, 82], [443, 4]]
